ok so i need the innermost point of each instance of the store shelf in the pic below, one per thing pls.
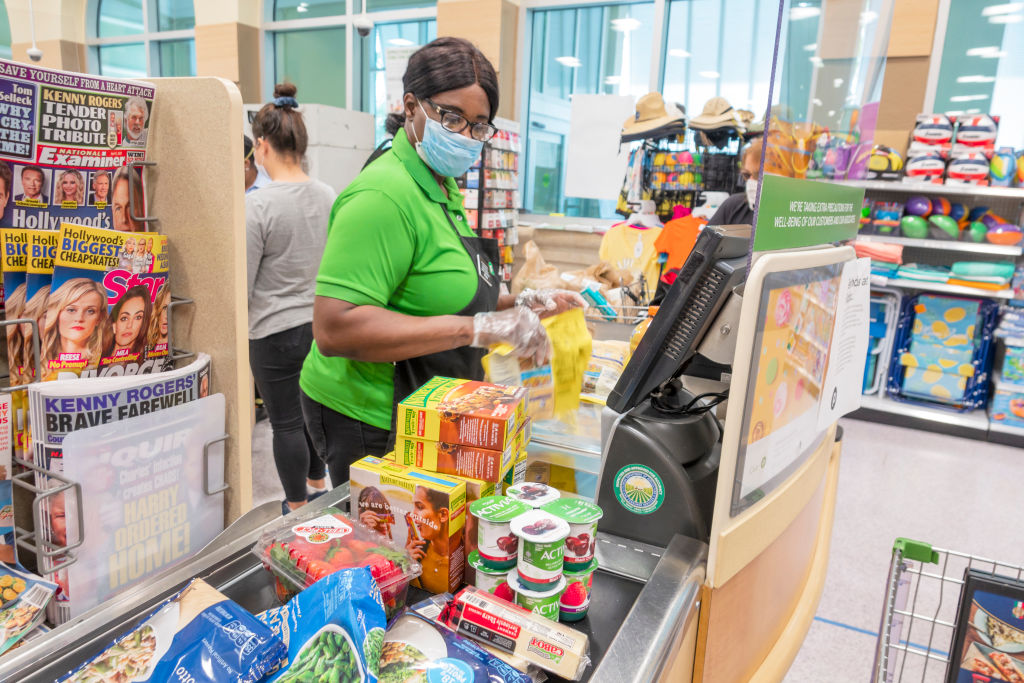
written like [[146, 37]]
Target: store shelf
[[947, 245], [973, 424], [939, 287], [930, 188]]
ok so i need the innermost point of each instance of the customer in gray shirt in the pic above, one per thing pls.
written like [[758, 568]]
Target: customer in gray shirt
[[286, 227]]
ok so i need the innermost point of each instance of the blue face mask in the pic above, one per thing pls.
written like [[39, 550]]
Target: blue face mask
[[448, 154]]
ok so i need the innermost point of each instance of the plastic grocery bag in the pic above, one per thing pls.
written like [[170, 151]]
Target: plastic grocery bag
[[334, 630], [197, 635], [535, 273]]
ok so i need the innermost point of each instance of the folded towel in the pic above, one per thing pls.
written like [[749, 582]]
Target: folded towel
[[879, 251], [1002, 269], [988, 286]]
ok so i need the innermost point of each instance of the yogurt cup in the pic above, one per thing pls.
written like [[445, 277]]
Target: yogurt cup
[[541, 548], [575, 599], [582, 516], [533, 494], [496, 544], [489, 579], [545, 602]]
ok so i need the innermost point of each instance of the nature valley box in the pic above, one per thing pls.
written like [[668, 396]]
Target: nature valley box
[[423, 511], [464, 412], [459, 460], [475, 490]]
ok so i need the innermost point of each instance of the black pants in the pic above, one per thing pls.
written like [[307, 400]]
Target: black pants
[[339, 439], [276, 362]]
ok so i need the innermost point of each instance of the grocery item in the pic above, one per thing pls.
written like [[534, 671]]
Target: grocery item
[[457, 459], [197, 635], [334, 630], [488, 578], [582, 517], [543, 602], [322, 542], [640, 330], [496, 543], [475, 490], [575, 599], [430, 514], [26, 610], [533, 494], [516, 474], [554, 647], [12, 583], [417, 649], [463, 412], [541, 548], [607, 361]]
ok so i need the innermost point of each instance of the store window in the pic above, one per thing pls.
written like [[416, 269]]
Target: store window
[[602, 49], [5, 32], [389, 41], [982, 66], [314, 61], [136, 38]]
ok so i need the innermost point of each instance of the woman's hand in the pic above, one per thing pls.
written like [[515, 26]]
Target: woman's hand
[[518, 327], [548, 302], [369, 519], [417, 549]]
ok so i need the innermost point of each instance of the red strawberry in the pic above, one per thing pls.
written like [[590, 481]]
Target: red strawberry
[[575, 594], [504, 591], [318, 569], [381, 567]]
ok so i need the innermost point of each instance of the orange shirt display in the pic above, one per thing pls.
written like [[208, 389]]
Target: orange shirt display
[[677, 239]]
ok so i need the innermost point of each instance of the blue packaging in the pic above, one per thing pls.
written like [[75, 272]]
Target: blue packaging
[[334, 629], [418, 649], [197, 635]]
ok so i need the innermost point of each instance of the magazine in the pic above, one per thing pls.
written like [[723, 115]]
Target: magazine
[[38, 276], [8, 550], [64, 406], [101, 305], [14, 245], [66, 140]]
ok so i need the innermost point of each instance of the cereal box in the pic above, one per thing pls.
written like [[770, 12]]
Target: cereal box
[[459, 411], [423, 512], [457, 459]]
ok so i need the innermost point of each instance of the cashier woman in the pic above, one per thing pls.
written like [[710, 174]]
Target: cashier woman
[[405, 290]]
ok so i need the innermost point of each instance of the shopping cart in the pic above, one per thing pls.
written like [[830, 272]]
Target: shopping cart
[[918, 618]]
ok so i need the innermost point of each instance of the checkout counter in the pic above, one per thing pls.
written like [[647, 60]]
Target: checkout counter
[[717, 585]]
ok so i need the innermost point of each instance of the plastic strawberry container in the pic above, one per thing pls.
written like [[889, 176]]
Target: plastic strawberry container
[[324, 541]]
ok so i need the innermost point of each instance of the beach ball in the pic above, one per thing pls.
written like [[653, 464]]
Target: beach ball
[[977, 231], [1004, 234], [914, 226], [947, 227], [1002, 168], [919, 205], [957, 211], [941, 205]]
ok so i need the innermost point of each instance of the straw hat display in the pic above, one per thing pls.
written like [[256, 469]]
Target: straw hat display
[[653, 119], [718, 113]]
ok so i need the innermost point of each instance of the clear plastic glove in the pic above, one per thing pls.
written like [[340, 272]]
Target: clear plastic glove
[[548, 302], [519, 327]]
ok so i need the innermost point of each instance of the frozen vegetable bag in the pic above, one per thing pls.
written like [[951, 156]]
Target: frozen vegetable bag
[[197, 635]]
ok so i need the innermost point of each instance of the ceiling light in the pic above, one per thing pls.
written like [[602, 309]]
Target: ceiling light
[[868, 16], [400, 42], [837, 82], [976, 78], [803, 12], [952, 114], [968, 98], [831, 112], [678, 52], [811, 47], [973, 111], [613, 80], [1008, 8], [818, 62], [987, 51], [570, 62], [1006, 19], [625, 25], [817, 102], [302, 8], [708, 74]]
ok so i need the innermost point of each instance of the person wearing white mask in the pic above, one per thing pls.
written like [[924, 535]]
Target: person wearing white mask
[[738, 209]]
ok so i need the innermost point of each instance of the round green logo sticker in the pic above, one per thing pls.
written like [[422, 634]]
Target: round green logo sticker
[[639, 489]]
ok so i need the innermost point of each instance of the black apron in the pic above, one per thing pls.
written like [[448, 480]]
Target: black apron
[[463, 362]]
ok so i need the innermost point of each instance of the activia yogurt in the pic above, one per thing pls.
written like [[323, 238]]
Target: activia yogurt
[[542, 602], [532, 493], [582, 516], [541, 548], [496, 543], [575, 599], [489, 579]]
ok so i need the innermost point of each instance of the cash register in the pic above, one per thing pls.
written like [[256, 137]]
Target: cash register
[[661, 439]]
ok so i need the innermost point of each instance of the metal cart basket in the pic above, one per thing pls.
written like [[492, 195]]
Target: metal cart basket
[[918, 618]]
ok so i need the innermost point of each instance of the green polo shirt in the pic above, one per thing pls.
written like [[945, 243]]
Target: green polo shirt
[[390, 245]]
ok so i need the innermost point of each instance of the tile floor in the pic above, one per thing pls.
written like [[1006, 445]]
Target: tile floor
[[947, 491]]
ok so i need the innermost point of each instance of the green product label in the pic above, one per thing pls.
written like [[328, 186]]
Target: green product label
[[793, 213], [639, 489], [545, 607], [547, 557]]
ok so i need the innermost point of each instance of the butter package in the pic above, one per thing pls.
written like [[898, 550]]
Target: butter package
[[457, 459], [459, 411], [423, 512]]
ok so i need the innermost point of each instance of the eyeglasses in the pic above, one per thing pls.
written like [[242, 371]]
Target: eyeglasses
[[747, 175], [453, 122]]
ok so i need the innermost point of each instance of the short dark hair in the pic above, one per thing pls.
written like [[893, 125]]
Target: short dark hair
[[447, 64], [246, 147], [32, 168], [5, 175], [280, 124]]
